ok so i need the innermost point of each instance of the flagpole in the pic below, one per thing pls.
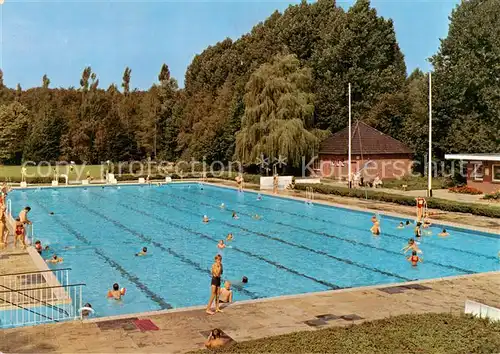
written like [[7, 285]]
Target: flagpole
[[350, 138], [429, 167]]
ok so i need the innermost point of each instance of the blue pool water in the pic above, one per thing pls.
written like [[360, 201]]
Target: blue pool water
[[295, 248]]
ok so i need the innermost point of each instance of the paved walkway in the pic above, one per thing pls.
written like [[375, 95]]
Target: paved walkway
[[182, 331]]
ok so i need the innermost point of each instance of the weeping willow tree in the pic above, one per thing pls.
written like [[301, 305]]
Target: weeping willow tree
[[279, 115]]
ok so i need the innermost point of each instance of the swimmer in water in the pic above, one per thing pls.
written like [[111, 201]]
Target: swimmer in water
[[221, 244], [443, 233], [418, 231], [259, 197], [229, 237], [205, 219], [401, 225], [235, 216], [223, 206], [375, 229], [427, 224], [256, 217], [407, 223], [86, 313], [116, 293], [55, 259], [143, 252], [412, 245], [414, 259]]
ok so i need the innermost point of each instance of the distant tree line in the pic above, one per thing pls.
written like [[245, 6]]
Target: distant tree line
[[276, 91]]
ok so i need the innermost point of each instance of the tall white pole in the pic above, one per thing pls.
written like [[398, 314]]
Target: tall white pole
[[429, 168], [350, 138]]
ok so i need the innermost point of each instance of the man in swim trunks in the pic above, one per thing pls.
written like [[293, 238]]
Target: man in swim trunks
[[215, 285], [23, 215]]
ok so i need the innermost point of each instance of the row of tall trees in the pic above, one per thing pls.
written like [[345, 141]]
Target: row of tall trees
[[276, 91]]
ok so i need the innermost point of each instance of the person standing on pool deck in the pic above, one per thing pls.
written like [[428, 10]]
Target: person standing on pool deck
[[239, 182], [215, 285], [275, 184]]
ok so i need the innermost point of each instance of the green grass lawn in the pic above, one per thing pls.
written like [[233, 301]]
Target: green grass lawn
[[13, 173], [426, 333]]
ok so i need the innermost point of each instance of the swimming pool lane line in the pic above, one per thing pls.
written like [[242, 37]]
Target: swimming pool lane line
[[384, 234], [322, 253], [236, 249], [149, 240], [463, 270], [130, 277]]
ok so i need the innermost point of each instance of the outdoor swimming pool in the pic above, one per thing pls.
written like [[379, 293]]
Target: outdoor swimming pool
[[295, 248]]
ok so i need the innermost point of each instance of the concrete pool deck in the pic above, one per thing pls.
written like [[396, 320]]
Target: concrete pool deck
[[184, 330]]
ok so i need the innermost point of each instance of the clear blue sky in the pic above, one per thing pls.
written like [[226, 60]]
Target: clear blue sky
[[60, 38]]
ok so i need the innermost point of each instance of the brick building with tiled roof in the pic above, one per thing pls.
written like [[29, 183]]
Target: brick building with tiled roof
[[373, 153]]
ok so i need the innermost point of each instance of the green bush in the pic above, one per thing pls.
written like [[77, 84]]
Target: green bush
[[492, 196], [417, 183], [434, 203]]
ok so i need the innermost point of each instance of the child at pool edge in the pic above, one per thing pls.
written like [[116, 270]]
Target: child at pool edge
[[20, 235], [414, 259], [143, 252], [225, 293]]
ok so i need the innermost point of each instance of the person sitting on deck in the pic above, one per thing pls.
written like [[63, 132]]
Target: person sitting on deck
[[215, 339]]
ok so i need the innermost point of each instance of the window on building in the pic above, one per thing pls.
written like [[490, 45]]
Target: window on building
[[477, 171], [495, 172]]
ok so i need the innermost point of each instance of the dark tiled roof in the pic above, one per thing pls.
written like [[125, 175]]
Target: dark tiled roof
[[365, 140]]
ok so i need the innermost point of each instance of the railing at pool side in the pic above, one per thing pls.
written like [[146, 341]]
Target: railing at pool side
[[38, 297]]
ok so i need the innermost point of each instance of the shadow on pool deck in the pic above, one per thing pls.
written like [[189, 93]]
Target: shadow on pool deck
[[185, 330]]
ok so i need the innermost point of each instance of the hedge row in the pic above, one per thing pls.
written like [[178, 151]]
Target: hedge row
[[433, 203]]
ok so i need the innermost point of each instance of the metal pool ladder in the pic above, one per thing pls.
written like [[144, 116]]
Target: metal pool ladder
[[309, 195]]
